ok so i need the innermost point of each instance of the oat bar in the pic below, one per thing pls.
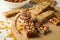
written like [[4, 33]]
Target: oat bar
[[45, 16], [37, 9], [12, 13], [36, 1], [52, 2]]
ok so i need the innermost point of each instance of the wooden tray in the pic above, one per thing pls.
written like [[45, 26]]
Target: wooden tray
[[53, 35]]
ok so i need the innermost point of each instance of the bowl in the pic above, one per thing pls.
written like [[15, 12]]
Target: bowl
[[7, 4]]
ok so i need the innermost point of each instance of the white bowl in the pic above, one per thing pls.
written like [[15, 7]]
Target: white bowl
[[7, 4]]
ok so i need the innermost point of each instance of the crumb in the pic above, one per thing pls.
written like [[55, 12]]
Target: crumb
[[4, 38]]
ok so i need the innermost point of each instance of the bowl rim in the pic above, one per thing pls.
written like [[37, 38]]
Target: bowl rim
[[17, 2]]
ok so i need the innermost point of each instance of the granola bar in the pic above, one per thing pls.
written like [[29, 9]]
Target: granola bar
[[52, 2], [38, 9], [45, 16], [12, 12]]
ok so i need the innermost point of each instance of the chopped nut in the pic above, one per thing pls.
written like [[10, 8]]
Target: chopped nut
[[43, 29], [55, 21]]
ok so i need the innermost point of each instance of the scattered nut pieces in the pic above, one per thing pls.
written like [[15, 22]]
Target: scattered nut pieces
[[44, 30]]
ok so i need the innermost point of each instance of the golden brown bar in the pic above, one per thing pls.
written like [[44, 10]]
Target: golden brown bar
[[52, 2], [37, 9], [12, 13], [45, 16]]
